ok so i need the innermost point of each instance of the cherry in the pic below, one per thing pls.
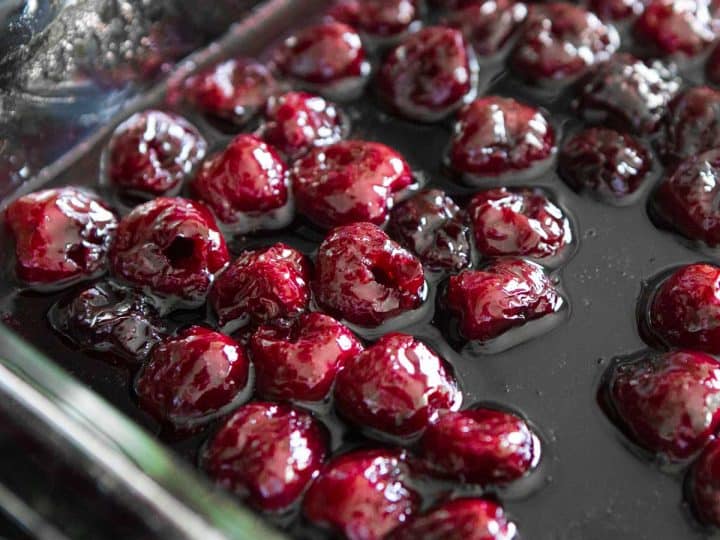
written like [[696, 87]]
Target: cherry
[[506, 294], [262, 285], [349, 181], [396, 387], [672, 27], [616, 10], [560, 41], [668, 403], [234, 90], [432, 226], [459, 519], [495, 136], [362, 495], [379, 19], [519, 223], [429, 74], [705, 485], [61, 235], [193, 377], [170, 247], [298, 359], [153, 152], [267, 454], [365, 277]]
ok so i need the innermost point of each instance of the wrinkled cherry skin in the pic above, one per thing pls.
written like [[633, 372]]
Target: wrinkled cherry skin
[[560, 41], [106, 318], [152, 153], [248, 176], [432, 226], [192, 377], [626, 94], [488, 25], [296, 122], [496, 135], [459, 519], [691, 124], [262, 285], [673, 27], [428, 75], [170, 246], [685, 310], [502, 296], [518, 223], [687, 200], [349, 181], [397, 387], [605, 163], [362, 495], [616, 10], [298, 359], [378, 18], [365, 277], [267, 454], [479, 446], [233, 90], [668, 403], [705, 485], [61, 235]]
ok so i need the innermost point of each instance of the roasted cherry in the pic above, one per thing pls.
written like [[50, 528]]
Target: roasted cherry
[[704, 485], [262, 285], [170, 247], [267, 454], [672, 27], [365, 277], [378, 19], [362, 495], [298, 359], [61, 235], [348, 182]]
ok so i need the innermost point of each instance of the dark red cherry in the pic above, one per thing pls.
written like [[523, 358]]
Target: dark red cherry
[[672, 27], [395, 387], [668, 403], [262, 285], [266, 454], [378, 18], [518, 223], [105, 318], [432, 226], [560, 41], [193, 377], [61, 235], [365, 277], [233, 90], [502, 296], [496, 136], [616, 10], [170, 247], [296, 122], [605, 163], [704, 483], [362, 495], [153, 152], [429, 74], [459, 519], [244, 185], [298, 359], [349, 181]]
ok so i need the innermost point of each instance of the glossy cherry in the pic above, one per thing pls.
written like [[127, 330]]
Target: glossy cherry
[[671, 27], [362, 495], [298, 359], [704, 485], [61, 235], [266, 454], [365, 277], [378, 19]]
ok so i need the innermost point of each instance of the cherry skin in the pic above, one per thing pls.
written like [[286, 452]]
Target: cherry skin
[[153, 153], [298, 359], [616, 10], [684, 28], [395, 387], [705, 485], [349, 181], [365, 277], [61, 235], [362, 495], [378, 19], [266, 454], [170, 247], [518, 223], [192, 378]]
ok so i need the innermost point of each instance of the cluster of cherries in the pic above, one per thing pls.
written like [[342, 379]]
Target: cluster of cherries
[[387, 243]]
